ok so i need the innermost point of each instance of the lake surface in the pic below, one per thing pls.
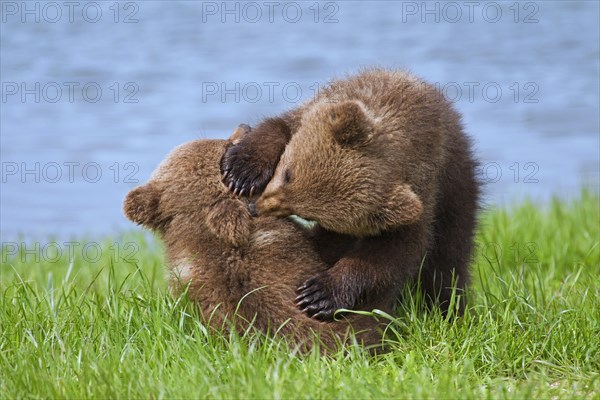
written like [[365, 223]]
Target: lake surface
[[94, 95]]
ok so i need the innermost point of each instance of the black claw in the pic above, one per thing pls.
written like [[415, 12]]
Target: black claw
[[242, 184], [301, 288], [303, 304], [311, 291], [304, 299], [316, 306], [311, 309], [309, 299], [323, 315], [244, 189]]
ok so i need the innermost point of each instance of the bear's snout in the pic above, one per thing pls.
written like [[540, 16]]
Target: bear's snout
[[272, 204]]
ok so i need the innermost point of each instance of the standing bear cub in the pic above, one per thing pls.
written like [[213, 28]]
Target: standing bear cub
[[379, 160], [239, 270]]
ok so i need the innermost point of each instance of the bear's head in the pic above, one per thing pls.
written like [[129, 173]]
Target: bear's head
[[333, 172], [186, 198]]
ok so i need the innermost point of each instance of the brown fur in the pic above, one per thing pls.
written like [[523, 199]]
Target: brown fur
[[380, 157], [240, 270]]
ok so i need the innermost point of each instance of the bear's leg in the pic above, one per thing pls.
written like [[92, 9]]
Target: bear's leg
[[446, 267], [331, 246], [249, 165], [375, 268]]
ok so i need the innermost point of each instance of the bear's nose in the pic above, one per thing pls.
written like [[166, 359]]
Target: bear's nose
[[252, 209]]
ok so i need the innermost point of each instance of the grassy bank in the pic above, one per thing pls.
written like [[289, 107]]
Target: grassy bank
[[99, 326]]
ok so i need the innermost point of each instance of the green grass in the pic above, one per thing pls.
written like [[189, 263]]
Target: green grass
[[101, 327]]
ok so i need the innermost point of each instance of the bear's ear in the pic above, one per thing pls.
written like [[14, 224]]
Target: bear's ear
[[349, 124], [230, 221], [141, 205], [239, 133], [403, 207]]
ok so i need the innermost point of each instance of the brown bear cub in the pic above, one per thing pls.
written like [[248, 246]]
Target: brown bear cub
[[239, 269], [380, 161]]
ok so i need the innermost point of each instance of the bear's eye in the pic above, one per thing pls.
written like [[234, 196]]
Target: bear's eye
[[287, 176]]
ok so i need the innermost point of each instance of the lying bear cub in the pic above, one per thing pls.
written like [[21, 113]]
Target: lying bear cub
[[240, 270], [381, 159]]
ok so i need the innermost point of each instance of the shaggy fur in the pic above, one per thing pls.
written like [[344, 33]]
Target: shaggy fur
[[380, 158], [239, 269]]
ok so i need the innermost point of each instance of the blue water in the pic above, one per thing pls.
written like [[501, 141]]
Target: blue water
[[175, 71]]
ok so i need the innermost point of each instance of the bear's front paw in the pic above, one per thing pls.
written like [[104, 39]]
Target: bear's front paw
[[318, 298], [244, 171]]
